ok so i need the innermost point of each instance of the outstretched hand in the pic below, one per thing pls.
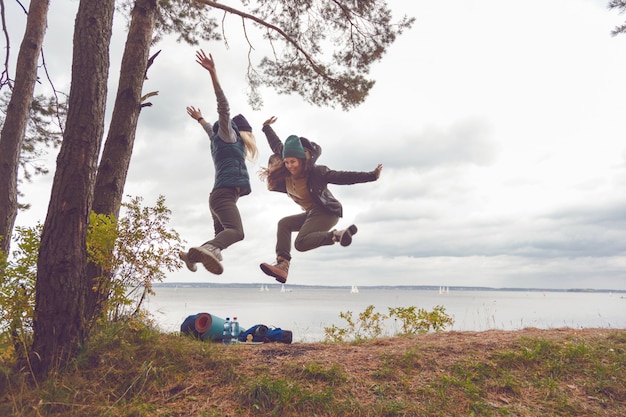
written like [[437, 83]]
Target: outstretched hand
[[270, 121], [207, 62], [378, 169], [194, 113]]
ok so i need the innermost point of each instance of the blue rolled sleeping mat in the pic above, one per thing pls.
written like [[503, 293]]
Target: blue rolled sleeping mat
[[204, 326]]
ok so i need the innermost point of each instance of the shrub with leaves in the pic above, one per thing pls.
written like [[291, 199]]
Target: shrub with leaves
[[371, 324], [137, 250], [17, 291], [143, 249], [418, 320]]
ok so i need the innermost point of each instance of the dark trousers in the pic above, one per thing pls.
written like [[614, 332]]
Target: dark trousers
[[226, 218], [313, 227]]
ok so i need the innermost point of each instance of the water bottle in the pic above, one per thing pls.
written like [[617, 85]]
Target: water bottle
[[226, 334], [234, 330]]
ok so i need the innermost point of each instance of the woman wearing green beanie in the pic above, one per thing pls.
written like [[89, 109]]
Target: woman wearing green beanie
[[292, 170]]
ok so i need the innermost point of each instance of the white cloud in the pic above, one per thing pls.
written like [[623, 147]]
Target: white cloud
[[500, 129]]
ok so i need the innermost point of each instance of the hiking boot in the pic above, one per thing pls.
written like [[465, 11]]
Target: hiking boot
[[344, 237], [190, 265], [209, 256], [278, 271]]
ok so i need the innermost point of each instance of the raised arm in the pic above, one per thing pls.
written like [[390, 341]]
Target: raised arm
[[272, 138], [225, 131]]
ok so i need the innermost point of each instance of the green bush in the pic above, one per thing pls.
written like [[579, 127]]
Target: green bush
[[136, 250], [371, 324], [17, 292], [418, 321], [143, 249]]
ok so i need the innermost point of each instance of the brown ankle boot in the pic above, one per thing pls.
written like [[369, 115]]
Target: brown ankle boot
[[278, 270], [344, 237]]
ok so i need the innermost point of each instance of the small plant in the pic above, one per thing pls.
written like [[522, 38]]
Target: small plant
[[371, 324], [418, 321]]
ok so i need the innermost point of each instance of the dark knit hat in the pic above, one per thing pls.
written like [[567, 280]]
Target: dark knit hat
[[293, 148], [242, 123]]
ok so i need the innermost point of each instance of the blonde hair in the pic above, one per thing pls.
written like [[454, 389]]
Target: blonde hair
[[249, 142]]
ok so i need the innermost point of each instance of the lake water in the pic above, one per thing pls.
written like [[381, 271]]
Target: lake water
[[308, 310]]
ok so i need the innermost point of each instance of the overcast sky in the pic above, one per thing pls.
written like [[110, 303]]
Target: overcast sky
[[500, 126]]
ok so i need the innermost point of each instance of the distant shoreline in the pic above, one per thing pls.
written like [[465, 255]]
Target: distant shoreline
[[377, 287]]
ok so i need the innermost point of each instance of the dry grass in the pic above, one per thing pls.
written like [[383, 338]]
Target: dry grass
[[140, 372]]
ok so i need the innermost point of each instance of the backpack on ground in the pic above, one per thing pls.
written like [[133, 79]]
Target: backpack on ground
[[264, 334]]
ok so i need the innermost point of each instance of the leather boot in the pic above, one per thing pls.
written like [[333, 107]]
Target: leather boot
[[190, 264], [280, 270], [209, 256], [344, 237]]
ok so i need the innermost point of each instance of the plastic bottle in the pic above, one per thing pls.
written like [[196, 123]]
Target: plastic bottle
[[226, 334], [234, 330]]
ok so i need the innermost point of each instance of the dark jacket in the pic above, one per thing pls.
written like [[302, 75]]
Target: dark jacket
[[319, 176]]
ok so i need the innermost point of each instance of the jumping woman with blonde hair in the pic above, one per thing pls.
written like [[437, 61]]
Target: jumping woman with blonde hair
[[232, 142]]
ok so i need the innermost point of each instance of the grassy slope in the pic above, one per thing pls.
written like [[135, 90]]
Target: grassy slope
[[134, 371]]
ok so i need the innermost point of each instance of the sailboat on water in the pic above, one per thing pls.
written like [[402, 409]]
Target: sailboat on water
[[354, 290]]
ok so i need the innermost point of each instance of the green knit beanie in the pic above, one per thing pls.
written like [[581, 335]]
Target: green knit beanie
[[293, 148]]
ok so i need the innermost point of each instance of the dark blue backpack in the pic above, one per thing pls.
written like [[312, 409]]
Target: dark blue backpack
[[262, 334]]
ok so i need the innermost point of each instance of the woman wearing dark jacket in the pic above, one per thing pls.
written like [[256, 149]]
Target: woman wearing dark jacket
[[232, 142], [292, 170]]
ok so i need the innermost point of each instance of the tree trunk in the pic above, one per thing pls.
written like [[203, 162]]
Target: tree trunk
[[118, 148], [18, 110], [59, 327]]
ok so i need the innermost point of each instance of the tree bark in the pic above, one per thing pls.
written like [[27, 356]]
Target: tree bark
[[118, 148], [59, 327], [18, 110]]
